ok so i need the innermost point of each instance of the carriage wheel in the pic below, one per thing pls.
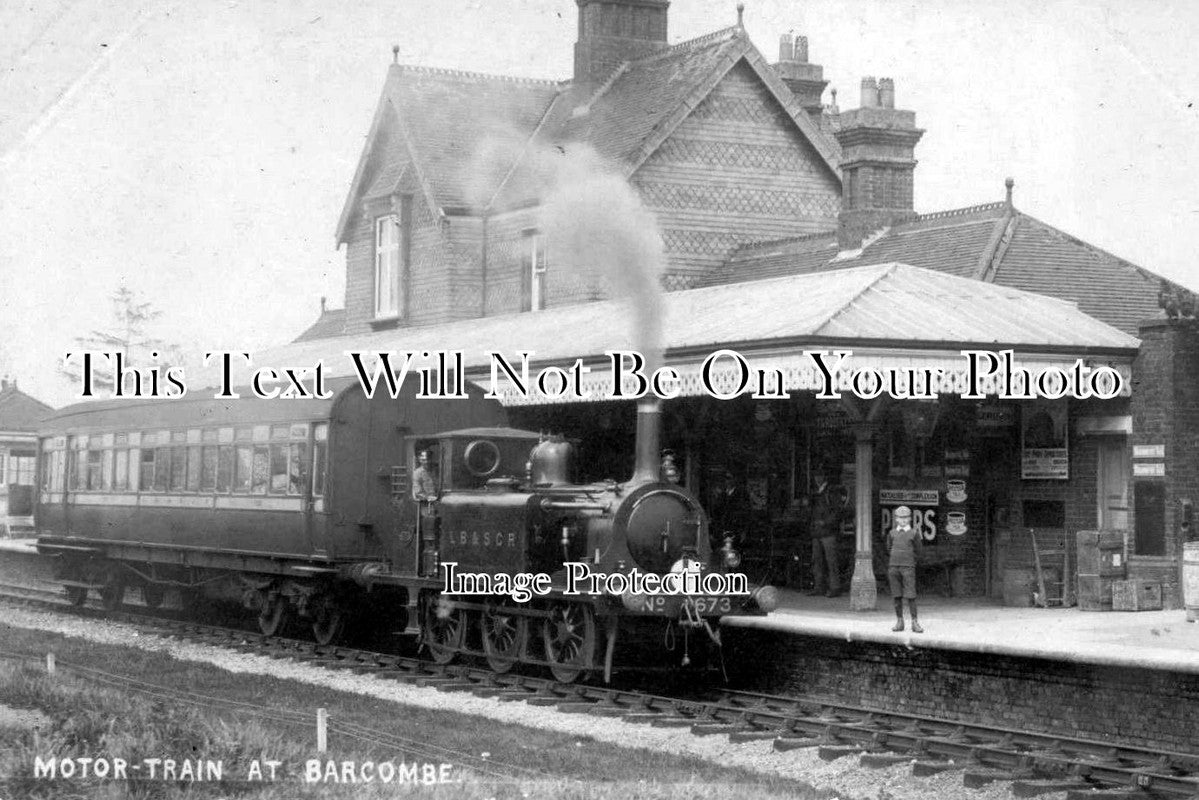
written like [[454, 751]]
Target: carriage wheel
[[327, 621], [112, 596], [274, 615], [76, 595], [152, 594], [445, 629], [570, 638], [504, 635]]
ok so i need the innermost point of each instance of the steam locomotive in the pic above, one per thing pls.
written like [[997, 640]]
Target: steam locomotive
[[304, 511]]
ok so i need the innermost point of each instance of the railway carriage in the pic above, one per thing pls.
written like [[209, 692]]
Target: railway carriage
[[304, 510], [273, 503]]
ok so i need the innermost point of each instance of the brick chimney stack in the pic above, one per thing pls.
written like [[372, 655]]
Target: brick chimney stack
[[878, 144], [806, 81], [615, 31]]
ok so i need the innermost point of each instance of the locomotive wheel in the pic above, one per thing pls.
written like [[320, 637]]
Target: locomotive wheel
[[570, 639], [273, 616], [112, 596], [445, 630], [76, 595], [504, 636], [152, 595], [327, 621]]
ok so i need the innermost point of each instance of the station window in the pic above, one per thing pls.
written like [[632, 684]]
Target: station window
[[391, 234]]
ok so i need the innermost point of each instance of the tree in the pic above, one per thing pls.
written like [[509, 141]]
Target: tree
[[129, 335]]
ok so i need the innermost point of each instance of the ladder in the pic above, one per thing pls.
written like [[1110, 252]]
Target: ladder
[[1052, 593]]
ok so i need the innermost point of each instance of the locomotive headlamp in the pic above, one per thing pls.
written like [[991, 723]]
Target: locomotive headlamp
[[730, 557]]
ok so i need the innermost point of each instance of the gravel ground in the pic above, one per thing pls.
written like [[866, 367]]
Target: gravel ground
[[844, 776]]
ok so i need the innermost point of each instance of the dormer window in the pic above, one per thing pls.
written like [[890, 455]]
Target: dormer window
[[390, 278], [533, 272]]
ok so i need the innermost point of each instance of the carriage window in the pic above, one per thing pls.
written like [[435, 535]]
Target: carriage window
[[224, 469], [208, 468], [297, 476], [162, 468], [146, 476], [120, 478], [320, 433], [21, 464], [106, 470], [193, 469], [245, 463], [262, 470], [279, 467], [178, 468], [92, 481]]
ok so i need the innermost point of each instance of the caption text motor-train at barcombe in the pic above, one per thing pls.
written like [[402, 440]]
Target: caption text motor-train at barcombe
[[304, 511]]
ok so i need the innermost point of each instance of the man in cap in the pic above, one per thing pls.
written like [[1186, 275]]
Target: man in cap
[[424, 485], [905, 544], [823, 527]]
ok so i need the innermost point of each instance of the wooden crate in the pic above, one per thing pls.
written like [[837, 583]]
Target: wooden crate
[[1136, 596]]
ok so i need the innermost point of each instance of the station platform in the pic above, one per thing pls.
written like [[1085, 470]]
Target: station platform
[[1154, 640]]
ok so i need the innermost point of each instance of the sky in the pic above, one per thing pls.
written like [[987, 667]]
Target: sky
[[200, 152]]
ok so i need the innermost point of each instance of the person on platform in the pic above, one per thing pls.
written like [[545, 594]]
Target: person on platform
[[424, 485], [904, 543], [730, 511], [824, 524]]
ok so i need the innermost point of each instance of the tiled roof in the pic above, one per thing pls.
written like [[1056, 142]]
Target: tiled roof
[[446, 118], [332, 322], [19, 411], [450, 117], [993, 242]]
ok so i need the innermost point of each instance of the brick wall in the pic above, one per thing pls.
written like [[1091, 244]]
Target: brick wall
[[1139, 707], [1165, 410]]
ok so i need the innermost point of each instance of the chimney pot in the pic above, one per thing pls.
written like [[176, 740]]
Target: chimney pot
[[786, 47], [886, 93], [323, 301], [801, 49], [869, 93], [1009, 183]]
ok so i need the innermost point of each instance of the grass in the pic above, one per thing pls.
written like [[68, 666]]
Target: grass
[[108, 701]]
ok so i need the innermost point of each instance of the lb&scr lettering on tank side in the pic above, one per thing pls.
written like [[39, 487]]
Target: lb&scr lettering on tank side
[[484, 538]]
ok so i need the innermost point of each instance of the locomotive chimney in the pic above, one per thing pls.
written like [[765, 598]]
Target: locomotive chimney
[[649, 421]]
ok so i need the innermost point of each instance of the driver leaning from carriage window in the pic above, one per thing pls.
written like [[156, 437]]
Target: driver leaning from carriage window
[[424, 485]]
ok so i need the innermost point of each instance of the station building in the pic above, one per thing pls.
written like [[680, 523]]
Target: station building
[[788, 225], [19, 418]]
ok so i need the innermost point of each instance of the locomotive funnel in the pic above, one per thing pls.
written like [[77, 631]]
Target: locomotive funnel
[[649, 419]]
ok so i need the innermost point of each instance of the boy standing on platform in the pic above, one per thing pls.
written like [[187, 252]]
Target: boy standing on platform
[[904, 544]]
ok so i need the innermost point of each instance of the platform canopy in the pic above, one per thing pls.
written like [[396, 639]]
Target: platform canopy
[[892, 317]]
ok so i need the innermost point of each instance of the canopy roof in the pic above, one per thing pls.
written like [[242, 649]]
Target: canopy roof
[[890, 316]]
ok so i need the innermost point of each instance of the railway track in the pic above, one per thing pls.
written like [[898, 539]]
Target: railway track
[[1035, 763]]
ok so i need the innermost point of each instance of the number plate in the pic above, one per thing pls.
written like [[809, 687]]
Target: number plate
[[670, 605]]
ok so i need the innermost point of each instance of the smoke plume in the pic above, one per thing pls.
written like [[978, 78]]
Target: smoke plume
[[596, 226]]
